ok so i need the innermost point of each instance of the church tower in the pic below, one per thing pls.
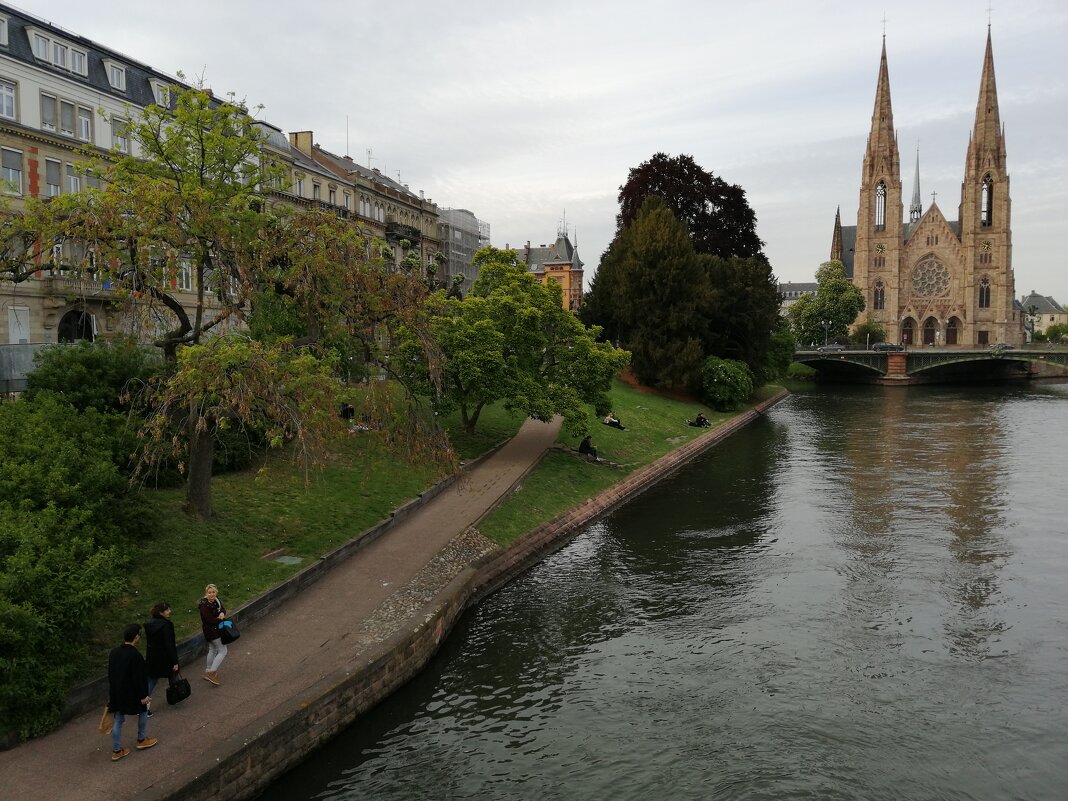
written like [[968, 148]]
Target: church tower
[[984, 213], [931, 281], [879, 228]]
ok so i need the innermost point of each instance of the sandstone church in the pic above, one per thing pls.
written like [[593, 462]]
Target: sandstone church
[[933, 281]]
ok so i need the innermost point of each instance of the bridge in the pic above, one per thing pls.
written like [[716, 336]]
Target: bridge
[[931, 365]]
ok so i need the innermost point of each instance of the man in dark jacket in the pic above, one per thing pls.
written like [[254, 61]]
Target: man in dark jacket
[[128, 691]]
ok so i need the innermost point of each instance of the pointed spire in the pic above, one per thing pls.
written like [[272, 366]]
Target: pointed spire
[[916, 208], [836, 237], [987, 147], [882, 138]]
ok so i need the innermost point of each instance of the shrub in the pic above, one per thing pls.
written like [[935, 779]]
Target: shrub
[[66, 517], [98, 375], [725, 383]]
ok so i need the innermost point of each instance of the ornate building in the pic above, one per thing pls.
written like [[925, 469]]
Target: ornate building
[[559, 263], [932, 281]]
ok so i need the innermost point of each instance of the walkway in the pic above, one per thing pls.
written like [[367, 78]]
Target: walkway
[[366, 598]]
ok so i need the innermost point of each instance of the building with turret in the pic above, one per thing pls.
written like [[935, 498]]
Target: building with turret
[[930, 280]]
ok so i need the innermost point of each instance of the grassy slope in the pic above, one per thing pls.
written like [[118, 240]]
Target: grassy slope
[[655, 425]]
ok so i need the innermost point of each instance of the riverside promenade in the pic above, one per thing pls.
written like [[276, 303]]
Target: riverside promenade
[[326, 626], [310, 668]]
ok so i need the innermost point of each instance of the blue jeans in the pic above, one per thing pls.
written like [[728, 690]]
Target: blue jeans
[[116, 730]]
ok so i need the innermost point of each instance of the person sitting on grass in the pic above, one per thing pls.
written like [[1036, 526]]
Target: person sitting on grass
[[586, 448], [701, 421], [612, 420]]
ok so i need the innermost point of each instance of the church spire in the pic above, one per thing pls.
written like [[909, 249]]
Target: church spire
[[836, 237], [916, 208], [987, 147], [882, 156]]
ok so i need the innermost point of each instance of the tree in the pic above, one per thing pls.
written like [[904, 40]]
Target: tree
[[99, 375], [194, 208], [837, 301], [743, 309], [716, 214], [511, 339], [725, 383], [652, 289], [867, 333]]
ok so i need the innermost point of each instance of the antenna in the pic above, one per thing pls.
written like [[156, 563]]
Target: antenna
[[346, 134], [884, 24], [369, 157]]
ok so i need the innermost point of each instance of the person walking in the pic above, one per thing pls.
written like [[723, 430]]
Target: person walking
[[161, 650], [212, 613], [128, 692]]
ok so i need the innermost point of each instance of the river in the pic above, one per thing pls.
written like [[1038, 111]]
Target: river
[[862, 595]]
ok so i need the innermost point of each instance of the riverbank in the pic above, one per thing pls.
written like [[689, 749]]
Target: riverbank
[[336, 648]]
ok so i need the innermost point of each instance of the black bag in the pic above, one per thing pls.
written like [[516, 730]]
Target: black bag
[[228, 632], [178, 689]]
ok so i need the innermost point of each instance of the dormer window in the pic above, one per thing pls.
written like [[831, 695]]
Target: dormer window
[[41, 46], [116, 74], [3, 31], [54, 51], [59, 54], [79, 62], [163, 94]]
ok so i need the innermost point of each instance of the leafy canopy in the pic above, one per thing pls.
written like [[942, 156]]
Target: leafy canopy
[[837, 301]]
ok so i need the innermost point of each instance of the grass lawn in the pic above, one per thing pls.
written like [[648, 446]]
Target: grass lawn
[[265, 509], [655, 425]]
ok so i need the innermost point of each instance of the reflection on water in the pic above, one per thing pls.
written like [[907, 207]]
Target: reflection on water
[[859, 596]]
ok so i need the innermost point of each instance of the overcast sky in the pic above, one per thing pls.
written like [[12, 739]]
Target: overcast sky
[[525, 112]]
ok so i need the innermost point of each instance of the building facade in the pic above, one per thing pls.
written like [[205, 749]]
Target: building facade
[[1042, 312], [559, 263], [462, 233], [930, 280]]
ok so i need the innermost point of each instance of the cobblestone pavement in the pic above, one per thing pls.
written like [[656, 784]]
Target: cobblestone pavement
[[328, 625]]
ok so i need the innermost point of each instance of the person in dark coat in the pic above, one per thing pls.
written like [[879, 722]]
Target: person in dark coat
[[128, 691], [586, 447], [212, 613], [161, 650]]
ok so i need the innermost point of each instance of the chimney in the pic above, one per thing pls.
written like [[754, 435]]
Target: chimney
[[302, 141]]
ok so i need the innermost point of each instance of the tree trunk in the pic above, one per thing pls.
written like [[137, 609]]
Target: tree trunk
[[201, 455], [472, 421]]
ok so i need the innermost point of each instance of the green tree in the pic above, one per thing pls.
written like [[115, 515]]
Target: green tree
[[867, 333], [837, 301], [743, 309], [780, 353], [716, 214], [653, 290], [512, 339]]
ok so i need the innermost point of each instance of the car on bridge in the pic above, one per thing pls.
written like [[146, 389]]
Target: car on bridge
[[1000, 346], [887, 347], [830, 348]]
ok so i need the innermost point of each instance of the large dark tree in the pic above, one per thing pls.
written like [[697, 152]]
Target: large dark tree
[[743, 309], [649, 293], [716, 213]]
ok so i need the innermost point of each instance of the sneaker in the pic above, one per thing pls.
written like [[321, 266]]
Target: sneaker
[[117, 755], [212, 678], [149, 711], [148, 742]]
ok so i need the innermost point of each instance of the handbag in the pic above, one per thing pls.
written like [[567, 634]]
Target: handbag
[[228, 632], [107, 720], [178, 689]]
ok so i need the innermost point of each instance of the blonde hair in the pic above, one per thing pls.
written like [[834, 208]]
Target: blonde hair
[[211, 587]]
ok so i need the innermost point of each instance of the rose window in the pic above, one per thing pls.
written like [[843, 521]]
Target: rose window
[[930, 279]]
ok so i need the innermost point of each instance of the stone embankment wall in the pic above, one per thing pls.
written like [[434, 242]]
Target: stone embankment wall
[[251, 759]]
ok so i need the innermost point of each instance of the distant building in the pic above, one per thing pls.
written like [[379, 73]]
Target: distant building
[[791, 293], [462, 233], [930, 280], [1042, 312], [559, 263]]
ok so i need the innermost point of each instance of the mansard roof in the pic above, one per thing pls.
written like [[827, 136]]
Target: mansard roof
[[138, 90], [560, 252]]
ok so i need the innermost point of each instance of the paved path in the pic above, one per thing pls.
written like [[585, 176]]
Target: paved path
[[312, 635]]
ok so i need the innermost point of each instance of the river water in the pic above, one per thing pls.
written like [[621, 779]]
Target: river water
[[860, 596]]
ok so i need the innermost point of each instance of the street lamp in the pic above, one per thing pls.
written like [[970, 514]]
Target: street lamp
[[826, 328]]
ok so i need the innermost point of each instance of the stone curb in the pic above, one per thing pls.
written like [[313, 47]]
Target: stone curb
[[248, 761]]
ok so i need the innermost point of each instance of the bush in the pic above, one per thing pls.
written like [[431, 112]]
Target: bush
[[97, 375], [66, 517], [779, 355], [726, 384]]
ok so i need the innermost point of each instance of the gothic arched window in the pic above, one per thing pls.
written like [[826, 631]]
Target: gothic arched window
[[984, 293], [879, 299], [880, 206], [986, 202]]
